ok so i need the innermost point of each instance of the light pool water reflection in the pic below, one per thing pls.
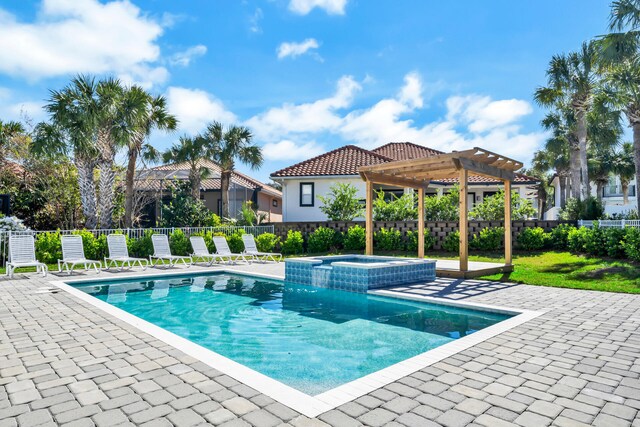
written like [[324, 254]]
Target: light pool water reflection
[[309, 338]]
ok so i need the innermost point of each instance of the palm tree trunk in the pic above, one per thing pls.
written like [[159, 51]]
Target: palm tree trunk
[[625, 192], [87, 191], [581, 132], [225, 176], [563, 191], [599, 187], [574, 160], [105, 188], [636, 158], [128, 201]]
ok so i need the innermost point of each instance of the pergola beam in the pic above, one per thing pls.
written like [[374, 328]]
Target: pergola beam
[[399, 181], [485, 169]]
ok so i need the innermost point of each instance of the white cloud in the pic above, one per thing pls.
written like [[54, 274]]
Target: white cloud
[[185, 57], [196, 108], [469, 121], [254, 21], [332, 7], [294, 49], [292, 151], [81, 36], [482, 114], [318, 116]]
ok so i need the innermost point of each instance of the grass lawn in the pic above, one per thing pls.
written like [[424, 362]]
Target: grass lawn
[[564, 270]]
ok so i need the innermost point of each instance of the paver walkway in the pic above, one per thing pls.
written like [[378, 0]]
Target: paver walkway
[[63, 362]]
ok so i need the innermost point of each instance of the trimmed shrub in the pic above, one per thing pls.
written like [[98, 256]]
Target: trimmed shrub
[[388, 240], [141, 247], [412, 241], [48, 247], [533, 239], [631, 243], [321, 240], [293, 244], [614, 241], [102, 249], [90, 245], [559, 236], [595, 241], [234, 240], [576, 239], [179, 243], [451, 243], [489, 239], [267, 242], [355, 238]]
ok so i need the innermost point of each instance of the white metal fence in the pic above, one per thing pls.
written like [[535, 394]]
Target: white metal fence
[[610, 223], [135, 233]]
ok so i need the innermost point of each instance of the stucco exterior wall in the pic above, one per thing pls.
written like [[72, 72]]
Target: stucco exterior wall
[[293, 212], [265, 204]]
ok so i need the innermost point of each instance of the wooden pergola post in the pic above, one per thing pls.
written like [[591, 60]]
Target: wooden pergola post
[[421, 222], [464, 221], [369, 218], [507, 222]]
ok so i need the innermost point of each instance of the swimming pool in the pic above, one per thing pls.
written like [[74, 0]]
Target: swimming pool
[[311, 339]]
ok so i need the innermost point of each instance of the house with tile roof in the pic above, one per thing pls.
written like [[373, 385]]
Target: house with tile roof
[[242, 188], [303, 182]]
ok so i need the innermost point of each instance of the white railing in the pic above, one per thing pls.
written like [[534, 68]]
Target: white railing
[[610, 223], [135, 233]]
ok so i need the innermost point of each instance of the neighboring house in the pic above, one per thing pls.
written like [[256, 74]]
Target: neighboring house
[[156, 183], [612, 198], [303, 182]]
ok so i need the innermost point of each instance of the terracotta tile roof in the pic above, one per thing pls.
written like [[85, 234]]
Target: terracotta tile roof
[[341, 161], [151, 180], [346, 161], [405, 151]]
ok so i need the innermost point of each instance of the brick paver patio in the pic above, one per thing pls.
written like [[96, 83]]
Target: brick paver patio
[[63, 362]]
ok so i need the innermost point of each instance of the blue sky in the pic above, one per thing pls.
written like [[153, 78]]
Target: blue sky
[[308, 76]]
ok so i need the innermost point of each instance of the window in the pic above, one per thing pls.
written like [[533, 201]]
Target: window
[[274, 203], [306, 194]]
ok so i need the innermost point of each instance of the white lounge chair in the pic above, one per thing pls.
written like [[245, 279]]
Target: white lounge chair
[[222, 249], [200, 251], [251, 249], [162, 251], [73, 254], [118, 252], [22, 253]]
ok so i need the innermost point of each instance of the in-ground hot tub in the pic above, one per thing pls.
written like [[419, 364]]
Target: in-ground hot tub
[[358, 273]]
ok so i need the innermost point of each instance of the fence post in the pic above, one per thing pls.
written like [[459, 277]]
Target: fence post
[[624, 222]]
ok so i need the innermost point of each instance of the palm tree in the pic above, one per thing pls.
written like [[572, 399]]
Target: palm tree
[[601, 164], [191, 151], [625, 167], [621, 91], [71, 131], [112, 118], [571, 80], [562, 152], [621, 52], [227, 146], [146, 114]]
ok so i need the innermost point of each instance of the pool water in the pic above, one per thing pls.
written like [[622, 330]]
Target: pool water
[[311, 339]]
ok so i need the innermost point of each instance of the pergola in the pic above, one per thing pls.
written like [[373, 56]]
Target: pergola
[[418, 173]]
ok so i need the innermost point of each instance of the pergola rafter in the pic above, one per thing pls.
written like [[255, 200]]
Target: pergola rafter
[[418, 173]]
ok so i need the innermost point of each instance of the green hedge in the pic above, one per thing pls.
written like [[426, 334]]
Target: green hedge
[[611, 242]]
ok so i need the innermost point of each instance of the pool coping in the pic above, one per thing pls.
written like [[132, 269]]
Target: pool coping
[[310, 406]]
